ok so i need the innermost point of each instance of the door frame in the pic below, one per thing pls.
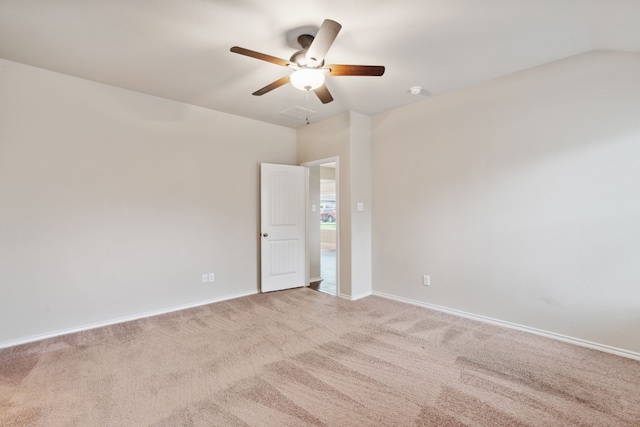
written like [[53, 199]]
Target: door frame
[[308, 165]]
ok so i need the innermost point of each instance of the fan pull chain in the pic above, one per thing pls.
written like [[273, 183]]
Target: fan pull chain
[[308, 105]]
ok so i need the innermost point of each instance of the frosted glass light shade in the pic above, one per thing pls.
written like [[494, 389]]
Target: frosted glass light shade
[[307, 79]]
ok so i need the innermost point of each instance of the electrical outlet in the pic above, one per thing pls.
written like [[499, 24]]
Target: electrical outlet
[[212, 277], [426, 280], [205, 278]]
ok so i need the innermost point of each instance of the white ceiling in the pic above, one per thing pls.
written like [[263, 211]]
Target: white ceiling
[[180, 49]]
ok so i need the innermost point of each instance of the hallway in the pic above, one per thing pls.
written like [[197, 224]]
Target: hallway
[[328, 273]]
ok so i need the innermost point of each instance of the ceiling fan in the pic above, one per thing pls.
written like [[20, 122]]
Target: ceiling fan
[[308, 63]]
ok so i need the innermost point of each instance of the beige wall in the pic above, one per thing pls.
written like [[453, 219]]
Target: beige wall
[[520, 197], [361, 284], [328, 173], [113, 203]]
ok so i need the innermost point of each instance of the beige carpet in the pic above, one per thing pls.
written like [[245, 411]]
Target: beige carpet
[[304, 358]]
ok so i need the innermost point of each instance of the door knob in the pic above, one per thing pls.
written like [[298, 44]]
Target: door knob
[[265, 234]]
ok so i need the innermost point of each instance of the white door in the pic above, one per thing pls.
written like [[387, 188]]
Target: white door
[[282, 223]]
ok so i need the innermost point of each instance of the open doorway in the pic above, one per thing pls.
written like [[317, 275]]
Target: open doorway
[[322, 226], [328, 228]]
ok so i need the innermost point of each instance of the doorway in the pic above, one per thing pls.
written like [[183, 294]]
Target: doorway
[[328, 228], [322, 226]]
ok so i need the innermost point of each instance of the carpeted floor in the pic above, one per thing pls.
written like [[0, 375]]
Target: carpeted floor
[[304, 358]]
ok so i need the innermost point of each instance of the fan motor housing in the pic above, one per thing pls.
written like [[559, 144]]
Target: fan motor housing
[[300, 57]]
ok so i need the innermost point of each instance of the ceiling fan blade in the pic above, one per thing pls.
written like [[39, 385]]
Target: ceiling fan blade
[[272, 86], [261, 56], [355, 70], [323, 94], [323, 40]]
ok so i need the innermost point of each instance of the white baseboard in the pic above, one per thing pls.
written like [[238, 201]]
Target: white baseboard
[[577, 341], [571, 340], [354, 297], [121, 320]]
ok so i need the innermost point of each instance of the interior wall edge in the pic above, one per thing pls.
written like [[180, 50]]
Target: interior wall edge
[[559, 337]]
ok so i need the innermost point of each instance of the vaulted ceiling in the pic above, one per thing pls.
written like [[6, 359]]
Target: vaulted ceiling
[[180, 49]]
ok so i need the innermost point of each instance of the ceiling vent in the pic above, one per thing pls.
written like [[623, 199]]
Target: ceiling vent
[[297, 112]]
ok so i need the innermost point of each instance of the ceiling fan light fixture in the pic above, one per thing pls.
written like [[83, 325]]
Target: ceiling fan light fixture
[[309, 62], [307, 79]]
